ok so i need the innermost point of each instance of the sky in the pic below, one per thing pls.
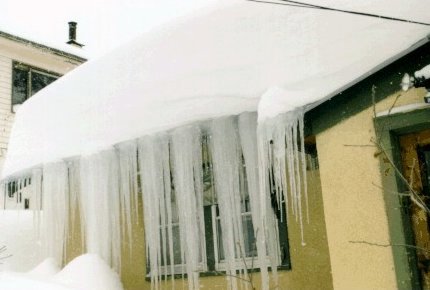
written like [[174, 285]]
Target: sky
[[102, 24]]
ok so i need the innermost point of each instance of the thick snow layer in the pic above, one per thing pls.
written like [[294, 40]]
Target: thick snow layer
[[423, 73], [403, 109], [87, 272], [217, 62]]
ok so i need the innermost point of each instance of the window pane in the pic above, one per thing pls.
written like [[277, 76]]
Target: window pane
[[39, 81], [221, 256], [427, 167], [176, 247], [19, 86], [248, 236]]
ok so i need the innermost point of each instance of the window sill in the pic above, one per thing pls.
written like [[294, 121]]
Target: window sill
[[219, 273]]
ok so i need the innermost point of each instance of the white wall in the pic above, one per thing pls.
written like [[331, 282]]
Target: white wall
[[11, 51]]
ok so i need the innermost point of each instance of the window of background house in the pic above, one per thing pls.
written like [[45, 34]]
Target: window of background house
[[16, 192], [27, 80]]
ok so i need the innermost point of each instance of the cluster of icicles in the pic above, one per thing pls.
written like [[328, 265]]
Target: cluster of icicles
[[104, 189]]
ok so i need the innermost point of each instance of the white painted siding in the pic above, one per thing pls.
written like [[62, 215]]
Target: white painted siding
[[11, 51], [6, 116]]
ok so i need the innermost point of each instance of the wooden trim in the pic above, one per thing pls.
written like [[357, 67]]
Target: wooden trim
[[43, 47], [388, 130]]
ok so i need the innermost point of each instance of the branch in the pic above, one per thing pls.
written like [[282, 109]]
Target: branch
[[390, 245], [359, 145], [394, 103], [391, 191], [2, 250], [414, 195], [230, 275]]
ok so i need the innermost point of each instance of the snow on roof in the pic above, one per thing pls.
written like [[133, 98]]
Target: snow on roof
[[214, 63], [62, 49]]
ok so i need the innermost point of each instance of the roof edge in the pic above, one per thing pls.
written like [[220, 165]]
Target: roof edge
[[377, 68], [55, 51]]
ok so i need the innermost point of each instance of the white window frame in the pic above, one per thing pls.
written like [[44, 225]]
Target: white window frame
[[251, 262]]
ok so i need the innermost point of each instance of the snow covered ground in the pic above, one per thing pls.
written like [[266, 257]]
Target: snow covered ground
[[87, 272], [25, 270], [19, 236]]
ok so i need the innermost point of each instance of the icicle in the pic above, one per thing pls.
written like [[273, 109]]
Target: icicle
[[128, 184], [227, 161], [55, 210], [154, 167], [303, 161], [103, 188], [100, 204], [248, 140], [36, 202], [3, 195], [75, 198], [186, 147], [281, 149]]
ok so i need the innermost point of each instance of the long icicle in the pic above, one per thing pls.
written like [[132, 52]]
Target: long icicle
[[227, 163], [248, 139], [55, 210], [186, 145], [286, 133]]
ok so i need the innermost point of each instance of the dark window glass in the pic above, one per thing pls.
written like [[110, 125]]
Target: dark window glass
[[28, 81], [12, 188], [39, 81], [248, 234], [424, 160], [19, 87]]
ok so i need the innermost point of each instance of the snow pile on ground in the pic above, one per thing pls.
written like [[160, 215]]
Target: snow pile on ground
[[45, 270], [18, 235], [87, 272]]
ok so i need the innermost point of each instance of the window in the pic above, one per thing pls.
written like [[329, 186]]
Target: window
[[424, 163], [17, 194], [198, 172], [214, 244], [177, 259], [27, 80], [166, 260]]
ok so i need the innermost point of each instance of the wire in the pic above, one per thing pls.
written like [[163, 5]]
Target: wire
[[292, 3], [283, 4]]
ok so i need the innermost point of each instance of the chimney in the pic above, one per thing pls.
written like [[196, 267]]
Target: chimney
[[72, 34]]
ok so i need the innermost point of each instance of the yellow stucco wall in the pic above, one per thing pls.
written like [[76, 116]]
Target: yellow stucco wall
[[353, 203], [346, 206], [310, 263]]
